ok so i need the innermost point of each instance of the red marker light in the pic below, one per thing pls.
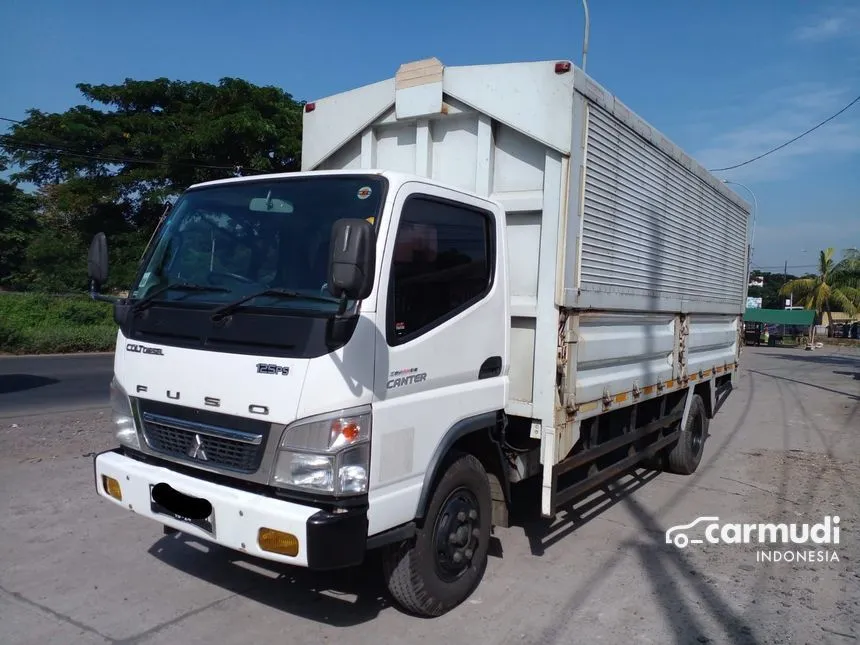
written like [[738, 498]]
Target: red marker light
[[310, 107], [562, 67]]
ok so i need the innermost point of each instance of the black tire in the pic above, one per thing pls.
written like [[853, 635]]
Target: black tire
[[422, 574], [686, 454]]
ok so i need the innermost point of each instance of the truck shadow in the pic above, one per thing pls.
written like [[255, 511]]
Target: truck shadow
[[808, 384], [336, 598], [840, 360], [20, 382], [543, 533], [684, 595], [854, 375], [687, 596], [356, 595]]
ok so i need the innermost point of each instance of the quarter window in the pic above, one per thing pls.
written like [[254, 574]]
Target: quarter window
[[443, 261]]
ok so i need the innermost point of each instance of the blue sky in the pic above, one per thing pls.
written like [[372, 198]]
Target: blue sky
[[725, 80]]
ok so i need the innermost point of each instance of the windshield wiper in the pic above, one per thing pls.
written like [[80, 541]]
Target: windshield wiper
[[225, 310], [178, 286]]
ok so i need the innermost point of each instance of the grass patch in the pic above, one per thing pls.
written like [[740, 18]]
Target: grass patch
[[32, 323]]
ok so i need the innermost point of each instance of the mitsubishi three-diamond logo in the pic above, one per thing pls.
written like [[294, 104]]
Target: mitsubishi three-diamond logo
[[196, 450]]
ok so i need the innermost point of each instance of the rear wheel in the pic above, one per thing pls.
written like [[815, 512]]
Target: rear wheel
[[445, 562], [685, 455]]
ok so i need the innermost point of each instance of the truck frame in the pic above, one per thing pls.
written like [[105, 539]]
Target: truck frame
[[593, 324]]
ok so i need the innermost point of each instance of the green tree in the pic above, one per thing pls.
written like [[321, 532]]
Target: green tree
[[18, 226], [769, 293], [111, 167], [847, 277], [826, 290], [848, 269]]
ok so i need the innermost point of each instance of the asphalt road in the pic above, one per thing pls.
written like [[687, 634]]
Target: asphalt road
[[53, 384], [785, 448]]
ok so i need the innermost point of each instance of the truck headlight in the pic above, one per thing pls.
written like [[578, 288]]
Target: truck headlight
[[329, 454], [123, 417]]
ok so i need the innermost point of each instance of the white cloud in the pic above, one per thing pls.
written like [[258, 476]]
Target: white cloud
[[774, 117], [844, 22]]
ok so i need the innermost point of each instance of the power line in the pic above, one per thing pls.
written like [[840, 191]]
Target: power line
[[64, 151], [780, 147], [781, 266], [9, 142]]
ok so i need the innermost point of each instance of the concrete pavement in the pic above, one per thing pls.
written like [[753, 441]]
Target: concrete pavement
[[784, 448]]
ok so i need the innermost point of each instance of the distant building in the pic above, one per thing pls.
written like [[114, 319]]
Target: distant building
[[838, 317]]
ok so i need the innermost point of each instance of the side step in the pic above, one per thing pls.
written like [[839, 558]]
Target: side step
[[588, 458]]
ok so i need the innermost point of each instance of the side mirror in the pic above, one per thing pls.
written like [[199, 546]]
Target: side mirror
[[98, 262], [352, 259]]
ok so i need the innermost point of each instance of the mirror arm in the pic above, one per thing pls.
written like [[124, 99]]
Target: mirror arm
[[102, 298], [95, 295], [341, 307]]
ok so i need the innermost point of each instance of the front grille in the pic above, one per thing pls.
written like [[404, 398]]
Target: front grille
[[203, 444]]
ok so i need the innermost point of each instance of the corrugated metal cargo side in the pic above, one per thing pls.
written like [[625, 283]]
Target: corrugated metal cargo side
[[660, 274]]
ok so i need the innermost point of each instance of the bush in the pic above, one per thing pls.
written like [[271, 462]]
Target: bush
[[9, 336], [43, 324], [67, 340]]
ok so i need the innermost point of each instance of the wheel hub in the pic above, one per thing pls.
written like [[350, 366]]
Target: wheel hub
[[697, 435], [456, 534]]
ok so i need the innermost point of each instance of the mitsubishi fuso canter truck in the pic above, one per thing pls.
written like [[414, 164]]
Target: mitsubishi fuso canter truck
[[482, 275]]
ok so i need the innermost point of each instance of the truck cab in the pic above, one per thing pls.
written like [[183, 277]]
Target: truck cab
[[285, 369]]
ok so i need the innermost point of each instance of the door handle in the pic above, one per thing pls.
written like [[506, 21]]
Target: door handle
[[490, 367]]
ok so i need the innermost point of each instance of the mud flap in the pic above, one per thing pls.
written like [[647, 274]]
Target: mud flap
[[549, 459]]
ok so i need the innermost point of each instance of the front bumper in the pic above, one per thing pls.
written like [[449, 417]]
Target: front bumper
[[326, 540]]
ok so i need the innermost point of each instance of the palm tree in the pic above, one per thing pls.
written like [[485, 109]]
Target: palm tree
[[835, 284], [848, 268], [846, 276]]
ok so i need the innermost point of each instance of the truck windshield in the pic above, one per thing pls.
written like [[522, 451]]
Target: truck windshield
[[245, 237]]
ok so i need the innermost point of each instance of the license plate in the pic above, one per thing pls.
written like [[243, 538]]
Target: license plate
[[166, 500]]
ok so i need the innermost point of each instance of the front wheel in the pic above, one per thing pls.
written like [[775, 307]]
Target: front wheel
[[445, 562]]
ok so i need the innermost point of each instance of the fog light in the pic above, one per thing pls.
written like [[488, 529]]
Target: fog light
[[112, 487], [278, 542]]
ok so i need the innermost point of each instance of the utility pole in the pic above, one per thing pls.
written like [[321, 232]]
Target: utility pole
[[585, 37]]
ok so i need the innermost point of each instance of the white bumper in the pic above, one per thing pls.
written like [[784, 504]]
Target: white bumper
[[236, 517]]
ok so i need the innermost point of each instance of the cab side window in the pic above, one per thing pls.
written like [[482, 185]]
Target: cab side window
[[443, 264]]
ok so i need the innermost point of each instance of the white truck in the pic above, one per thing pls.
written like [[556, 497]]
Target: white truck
[[482, 274]]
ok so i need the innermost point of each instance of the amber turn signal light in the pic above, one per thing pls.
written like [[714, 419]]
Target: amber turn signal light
[[278, 542], [112, 487]]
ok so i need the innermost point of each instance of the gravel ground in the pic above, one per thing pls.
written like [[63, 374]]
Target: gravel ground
[[784, 448]]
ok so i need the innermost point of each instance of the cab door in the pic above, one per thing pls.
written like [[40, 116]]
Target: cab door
[[442, 344]]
